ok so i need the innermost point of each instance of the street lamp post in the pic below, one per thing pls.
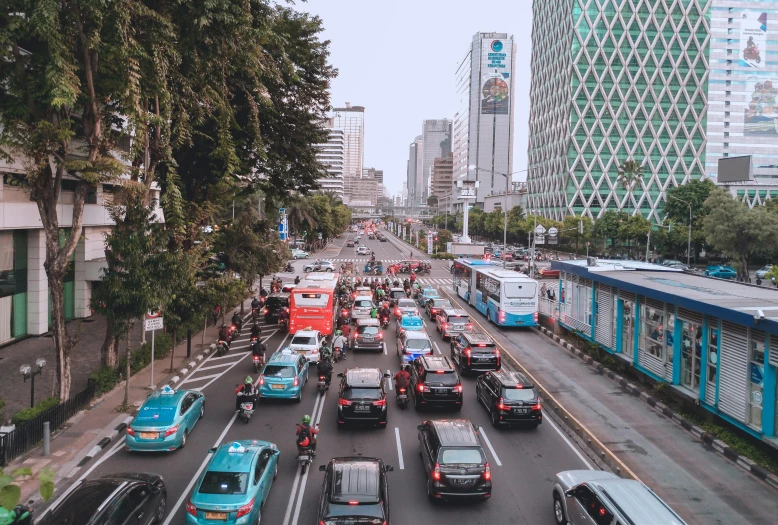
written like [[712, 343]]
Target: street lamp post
[[29, 373], [689, 242]]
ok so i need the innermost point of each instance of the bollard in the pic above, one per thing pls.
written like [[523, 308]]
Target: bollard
[[46, 438]]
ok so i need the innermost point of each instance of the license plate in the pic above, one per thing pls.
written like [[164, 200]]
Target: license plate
[[302, 351], [216, 516], [148, 435], [459, 327], [367, 338], [521, 410], [458, 481], [278, 387], [440, 391], [362, 408], [302, 458], [247, 406]]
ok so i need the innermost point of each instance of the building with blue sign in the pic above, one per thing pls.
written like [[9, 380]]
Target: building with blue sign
[[715, 341]]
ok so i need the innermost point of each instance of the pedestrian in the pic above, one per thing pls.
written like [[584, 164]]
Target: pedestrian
[[215, 314]]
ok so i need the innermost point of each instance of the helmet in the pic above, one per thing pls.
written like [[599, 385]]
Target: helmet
[[406, 367], [306, 419], [248, 380], [338, 332]]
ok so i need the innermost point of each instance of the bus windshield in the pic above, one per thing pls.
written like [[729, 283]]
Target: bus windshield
[[520, 290]]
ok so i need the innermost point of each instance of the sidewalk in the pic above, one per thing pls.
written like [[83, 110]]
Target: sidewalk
[[91, 430], [84, 360]]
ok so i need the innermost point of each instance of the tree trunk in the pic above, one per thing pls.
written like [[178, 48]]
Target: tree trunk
[[109, 351], [127, 370], [62, 341], [173, 351]]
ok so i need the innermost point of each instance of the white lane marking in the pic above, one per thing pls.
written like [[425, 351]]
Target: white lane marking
[[304, 479], [185, 493], [569, 443], [385, 348], [435, 344], [204, 368], [489, 444], [391, 386], [201, 378], [201, 388], [226, 356], [399, 449]]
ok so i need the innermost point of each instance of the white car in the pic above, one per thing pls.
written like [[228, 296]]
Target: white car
[[307, 343], [362, 250], [406, 307], [299, 254], [361, 307]]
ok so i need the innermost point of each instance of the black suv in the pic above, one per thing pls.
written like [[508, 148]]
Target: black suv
[[362, 397], [475, 352], [115, 499], [510, 398], [434, 381], [454, 460], [274, 304], [355, 490]]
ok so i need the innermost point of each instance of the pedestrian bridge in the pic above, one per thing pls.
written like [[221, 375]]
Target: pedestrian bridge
[[372, 212]]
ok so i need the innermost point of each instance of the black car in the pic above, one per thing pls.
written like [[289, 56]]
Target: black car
[[139, 498], [355, 491], [382, 238], [349, 244], [274, 304], [510, 398], [454, 460], [434, 305], [435, 382], [475, 352], [362, 397]]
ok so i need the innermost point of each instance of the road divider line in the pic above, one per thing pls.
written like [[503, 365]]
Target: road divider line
[[385, 348], [489, 444], [304, 480], [400, 461], [185, 493], [300, 479], [435, 343], [567, 440], [391, 384]]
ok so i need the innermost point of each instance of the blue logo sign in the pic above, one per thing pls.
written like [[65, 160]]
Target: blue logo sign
[[496, 46]]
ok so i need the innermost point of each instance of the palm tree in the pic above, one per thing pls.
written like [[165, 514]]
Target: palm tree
[[300, 213], [630, 173]]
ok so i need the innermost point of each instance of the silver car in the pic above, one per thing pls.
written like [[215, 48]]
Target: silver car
[[595, 497], [361, 307]]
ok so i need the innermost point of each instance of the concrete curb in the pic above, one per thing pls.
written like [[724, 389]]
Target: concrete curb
[[104, 442], [705, 438]]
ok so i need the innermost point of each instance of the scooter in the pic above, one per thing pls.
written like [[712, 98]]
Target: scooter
[[305, 456], [402, 397], [289, 268], [247, 408], [337, 354], [222, 347], [20, 515], [384, 323], [321, 386]]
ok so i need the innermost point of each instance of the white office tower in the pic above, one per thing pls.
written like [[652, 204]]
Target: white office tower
[[351, 119], [332, 155], [436, 144]]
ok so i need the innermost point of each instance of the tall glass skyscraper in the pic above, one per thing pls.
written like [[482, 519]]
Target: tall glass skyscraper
[[612, 81], [351, 119]]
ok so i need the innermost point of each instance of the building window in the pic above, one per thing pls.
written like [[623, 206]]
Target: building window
[[726, 114], [652, 331], [726, 144], [729, 82], [713, 355], [728, 93], [69, 185], [756, 380], [726, 133]]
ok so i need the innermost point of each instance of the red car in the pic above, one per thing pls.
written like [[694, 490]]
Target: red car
[[548, 273]]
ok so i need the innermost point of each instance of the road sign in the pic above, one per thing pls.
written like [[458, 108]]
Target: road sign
[[153, 323], [540, 229], [540, 238], [429, 242], [281, 211], [552, 232]]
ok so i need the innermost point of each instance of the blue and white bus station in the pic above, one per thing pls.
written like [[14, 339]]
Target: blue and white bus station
[[715, 341]]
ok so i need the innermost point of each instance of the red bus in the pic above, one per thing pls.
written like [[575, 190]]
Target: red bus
[[312, 303]]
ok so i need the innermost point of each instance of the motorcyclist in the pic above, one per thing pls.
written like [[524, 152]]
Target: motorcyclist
[[237, 320], [340, 342], [379, 294], [255, 303], [374, 312], [20, 515], [224, 335], [402, 378], [325, 369], [256, 331], [262, 292], [283, 316], [259, 349], [245, 390], [386, 312], [413, 278], [306, 434], [297, 280]]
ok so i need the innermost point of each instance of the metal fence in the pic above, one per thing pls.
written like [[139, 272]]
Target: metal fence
[[19, 441], [549, 308]]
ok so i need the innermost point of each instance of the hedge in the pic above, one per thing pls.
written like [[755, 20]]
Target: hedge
[[443, 255], [28, 414], [108, 377]]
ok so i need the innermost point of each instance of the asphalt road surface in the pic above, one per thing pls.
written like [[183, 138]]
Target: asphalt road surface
[[523, 461]]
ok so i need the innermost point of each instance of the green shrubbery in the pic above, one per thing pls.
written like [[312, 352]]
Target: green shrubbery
[[443, 255], [107, 377], [28, 414]]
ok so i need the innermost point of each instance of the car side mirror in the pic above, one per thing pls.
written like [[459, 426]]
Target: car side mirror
[[340, 374], [476, 427], [420, 427], [212, 450], [569, 493], [387, 376], [389, 468], [276, 452], [322, 468]]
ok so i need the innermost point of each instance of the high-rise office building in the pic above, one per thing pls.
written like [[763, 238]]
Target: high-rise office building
[[743, 94], [613, 81], [361, 190], [415, 177], [436, 143], [442, 177], [332, 156], [351, 119], [372, 173], [483, 124]]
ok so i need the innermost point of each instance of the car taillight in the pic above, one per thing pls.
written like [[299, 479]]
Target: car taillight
[[296, 381], [315, 351], [423, 388], [344, 402], [396, 311], [246, 509], [468, 353], [458, 389], [536, 406], [535, 315], [380, 335], [502, 315], [262, 379], [264, 310], [436, 472], [171, 431], [445, 325], [487, 472], [469, 326], [501, 405], [130, 431], [191, 509], [380, 403]]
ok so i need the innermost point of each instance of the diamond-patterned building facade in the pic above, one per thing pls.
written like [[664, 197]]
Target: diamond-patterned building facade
[[614, 80]]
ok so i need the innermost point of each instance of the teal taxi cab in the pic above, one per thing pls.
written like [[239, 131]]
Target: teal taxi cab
[[284, 376], [410, 323], [235, 485], [426, 294], [165, 420]]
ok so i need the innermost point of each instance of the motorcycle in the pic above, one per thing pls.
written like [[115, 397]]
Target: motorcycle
[[402, 397], [337, 354], [321, 386], [247, 408], [384, 322], [305, 456], [235, 329], [221, 347], [289, 268], [255, 315], [20, 515], [752, 53]]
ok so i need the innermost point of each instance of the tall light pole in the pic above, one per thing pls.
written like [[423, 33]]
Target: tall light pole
[[689, 243]]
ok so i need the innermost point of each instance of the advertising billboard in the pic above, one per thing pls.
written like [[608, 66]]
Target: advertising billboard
[[753, 39], [761, 111], [496, 79]]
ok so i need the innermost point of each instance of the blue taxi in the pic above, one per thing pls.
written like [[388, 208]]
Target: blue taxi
[[426, 294], [284, 376], [235, 485], [165, 420], [410, 323]]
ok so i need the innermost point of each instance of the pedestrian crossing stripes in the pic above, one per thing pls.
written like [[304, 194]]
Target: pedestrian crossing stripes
[[364, 260], [428, 280]]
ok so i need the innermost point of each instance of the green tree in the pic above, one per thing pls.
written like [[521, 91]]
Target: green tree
[[432, 201], [635, 228], [694, 192], [608, 227], [300, 214], [737, 231], [570, 230], [630, 175]]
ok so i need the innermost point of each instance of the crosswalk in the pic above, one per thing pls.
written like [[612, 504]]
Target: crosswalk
[[385, 261], [433, 281]]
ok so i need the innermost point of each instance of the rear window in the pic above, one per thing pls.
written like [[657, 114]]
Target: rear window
[[417, 344], [156, 416], [520, 290], [279, 371], [397, 294], [304, 340], [444, 378], [482, 347], [311, 299], [224, 483], [275, 302], [461, 456], [441, 303], [363, 303], [459, 319], [369, 330], [373, 394], [343, 514], [519, 394], [407, 303]]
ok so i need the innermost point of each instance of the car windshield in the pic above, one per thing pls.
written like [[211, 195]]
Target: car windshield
[[311, 299], [279, 371], [373, 394], [520, 290], [369, 330], [363, 303], [519, 394], [443, 378], [418, 345], [304, 340], [407, 303], [224, 483], [461, 456], [458, 319]]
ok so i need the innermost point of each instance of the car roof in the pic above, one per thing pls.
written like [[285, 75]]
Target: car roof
[[637, 501], [367, 377], [454, 311], [417, 335], [356, 479], [455, 432], [440, 299], [367, 322], [478, 337], [307, 332], [231, 458], [513, 379], [160, 398], [280, 295], [436, 362], [280, 358]]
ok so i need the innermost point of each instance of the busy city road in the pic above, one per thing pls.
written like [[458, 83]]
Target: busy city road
[[523, 460]]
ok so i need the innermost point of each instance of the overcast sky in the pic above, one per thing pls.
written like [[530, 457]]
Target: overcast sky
[[397, 58]]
